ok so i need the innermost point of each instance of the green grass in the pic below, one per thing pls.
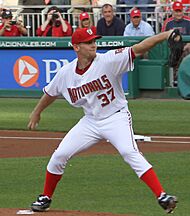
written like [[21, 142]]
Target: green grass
[[60, 116], [149, 116], [161, 116], [102, 183]]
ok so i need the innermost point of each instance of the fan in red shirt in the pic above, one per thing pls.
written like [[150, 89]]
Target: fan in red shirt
[[54, 25], [10, 28], [86, 22]]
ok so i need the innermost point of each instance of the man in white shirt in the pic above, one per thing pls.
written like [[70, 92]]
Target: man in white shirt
[[137, 26]]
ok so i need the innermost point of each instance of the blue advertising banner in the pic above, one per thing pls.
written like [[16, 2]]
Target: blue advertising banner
[[34, 69], [31, 69]]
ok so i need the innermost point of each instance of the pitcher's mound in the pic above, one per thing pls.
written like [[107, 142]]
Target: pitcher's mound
[[11, 212]]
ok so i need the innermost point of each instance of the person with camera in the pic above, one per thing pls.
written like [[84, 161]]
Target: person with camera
[[54, 25], [9, 27]]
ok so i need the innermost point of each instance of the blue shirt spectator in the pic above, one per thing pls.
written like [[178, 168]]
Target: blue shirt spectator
[[138, 27], [134, 4]]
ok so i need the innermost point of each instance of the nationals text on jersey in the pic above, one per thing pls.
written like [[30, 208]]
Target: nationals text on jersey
[[95, 85]]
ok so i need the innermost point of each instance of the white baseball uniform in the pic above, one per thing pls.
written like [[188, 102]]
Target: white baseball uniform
[[99, 92]]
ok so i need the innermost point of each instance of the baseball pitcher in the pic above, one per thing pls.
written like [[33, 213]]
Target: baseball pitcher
[[93, 81]]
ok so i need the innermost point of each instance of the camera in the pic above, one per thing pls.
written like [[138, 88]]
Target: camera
[[13, 22], [55, 15]]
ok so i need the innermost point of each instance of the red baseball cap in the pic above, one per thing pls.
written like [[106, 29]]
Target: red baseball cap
[[135, 13], [84, 15], [177, 6], [82, 35]]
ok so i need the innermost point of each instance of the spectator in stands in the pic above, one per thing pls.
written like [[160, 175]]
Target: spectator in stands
[[60, 4], [77, 10], [138, 27], [31, 18], [165, 6], [178, 20], [9, 27], [97, 4], [181, 22], [54, 25], [85, 22], [136, 3], [109, 24]]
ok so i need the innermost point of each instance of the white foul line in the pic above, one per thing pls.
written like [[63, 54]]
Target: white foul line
[[175, 142], [170, 137], [31, 138], [137, 137], [56, 138]]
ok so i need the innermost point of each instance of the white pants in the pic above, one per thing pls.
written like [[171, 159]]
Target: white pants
[[88, 131]]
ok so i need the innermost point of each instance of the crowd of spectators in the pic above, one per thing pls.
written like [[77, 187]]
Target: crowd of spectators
[[109, 24]]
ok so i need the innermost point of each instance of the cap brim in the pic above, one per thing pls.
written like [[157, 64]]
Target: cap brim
[[180, 9], [135, 16], [84, 18], [91, 38]]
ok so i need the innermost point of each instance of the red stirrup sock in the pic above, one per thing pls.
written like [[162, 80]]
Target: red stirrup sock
[[151, 179], [50, 183]]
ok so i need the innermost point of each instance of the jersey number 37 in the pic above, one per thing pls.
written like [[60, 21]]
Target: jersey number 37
[[107, 97]]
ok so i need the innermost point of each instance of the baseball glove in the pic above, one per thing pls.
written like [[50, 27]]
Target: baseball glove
[[176, 46]]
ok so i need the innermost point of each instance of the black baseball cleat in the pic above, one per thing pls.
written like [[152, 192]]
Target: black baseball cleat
[[41, 204], [167, 202]]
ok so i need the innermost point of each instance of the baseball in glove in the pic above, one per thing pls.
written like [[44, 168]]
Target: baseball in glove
[[176, 46]]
